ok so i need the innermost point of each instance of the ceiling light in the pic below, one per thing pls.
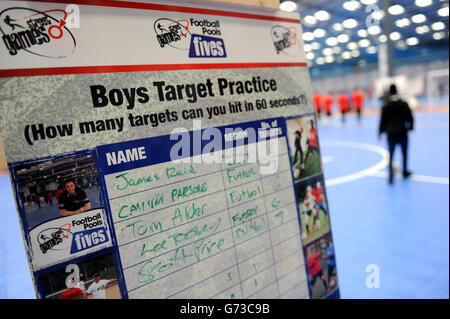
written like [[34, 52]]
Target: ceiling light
[[373, 30], [401, 45], [310, 20], [419, 18], [401, 23], [438, 26], [308, 36], [362, 33], [396, 9], [329, 59], [319, 33], [332, 41], [338, 27], [350, 23], [383, 38], [424, 3], [320, 60], [337, 50], [351, 5], [352, 46], [395, 36], [378, 15], [307, 47], [310, 56], [346, 55], [443, 12], [438, 35], [368, 2], [343, 38], [364, 43], [412, 41], [355, 53], [315, 45], [371, 50], [327, 51], [322, 15], [288, 6], [422, 29]]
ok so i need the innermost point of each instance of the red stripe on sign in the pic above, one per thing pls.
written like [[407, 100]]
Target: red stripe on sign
[[139, 68], [170, 8]]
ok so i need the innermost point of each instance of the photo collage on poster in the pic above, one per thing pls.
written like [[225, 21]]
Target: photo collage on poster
[[69, 241], [313, 206]]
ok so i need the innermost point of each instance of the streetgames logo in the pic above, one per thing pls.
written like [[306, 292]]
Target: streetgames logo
[[285, 40], [40, 33], [172, 33], [51, 238]]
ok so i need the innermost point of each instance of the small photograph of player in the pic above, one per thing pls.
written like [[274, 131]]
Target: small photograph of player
[[93, 278], [321, 267], [98, 287], [313, 209], [304, 146], [57, 188], [73, 199]]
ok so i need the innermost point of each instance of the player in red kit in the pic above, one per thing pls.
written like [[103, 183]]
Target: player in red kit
[[315, 270], [72, 293], [319, 199], [328, 104], [317, 100], [358, 101], [313, 145], [343, 105]]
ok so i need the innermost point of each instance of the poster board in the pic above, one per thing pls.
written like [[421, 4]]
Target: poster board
[[164, 150]]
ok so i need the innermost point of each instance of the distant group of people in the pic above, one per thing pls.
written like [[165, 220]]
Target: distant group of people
[[396, 119], [323, 103]]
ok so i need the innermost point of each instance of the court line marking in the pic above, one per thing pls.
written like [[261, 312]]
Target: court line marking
[[374, 170], [418, 178], [365, 172], [327, 159]]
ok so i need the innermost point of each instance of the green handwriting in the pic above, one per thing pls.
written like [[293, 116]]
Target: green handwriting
[[242, 174], [128, 210], [172, 172], [131, 182], [186, 191], [238, 196]]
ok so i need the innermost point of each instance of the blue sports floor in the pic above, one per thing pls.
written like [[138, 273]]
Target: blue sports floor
[[397, 234]]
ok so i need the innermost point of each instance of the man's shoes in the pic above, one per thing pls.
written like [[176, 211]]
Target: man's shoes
[[391, 179], [406, 174]]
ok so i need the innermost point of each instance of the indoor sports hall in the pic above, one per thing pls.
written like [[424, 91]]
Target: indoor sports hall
[[391, 240]]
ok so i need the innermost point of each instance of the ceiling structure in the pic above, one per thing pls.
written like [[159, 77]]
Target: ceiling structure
[[347, 33], [56, 171]]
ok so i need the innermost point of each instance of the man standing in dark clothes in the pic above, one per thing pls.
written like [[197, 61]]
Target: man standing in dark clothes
[[396, 121], [73, 200]]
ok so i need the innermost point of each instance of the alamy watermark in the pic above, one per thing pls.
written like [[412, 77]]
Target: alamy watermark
[[373, 279], [233, 145]]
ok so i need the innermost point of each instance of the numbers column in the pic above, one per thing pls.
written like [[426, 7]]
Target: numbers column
[[281, 206]]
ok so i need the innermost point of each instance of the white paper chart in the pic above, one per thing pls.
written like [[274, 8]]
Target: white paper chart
[[220, 230], [164, 150]]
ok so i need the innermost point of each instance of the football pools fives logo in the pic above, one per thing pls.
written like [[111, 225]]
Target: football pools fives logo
[[179, 34], [79, 234], [42, 33], [285, 40]]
